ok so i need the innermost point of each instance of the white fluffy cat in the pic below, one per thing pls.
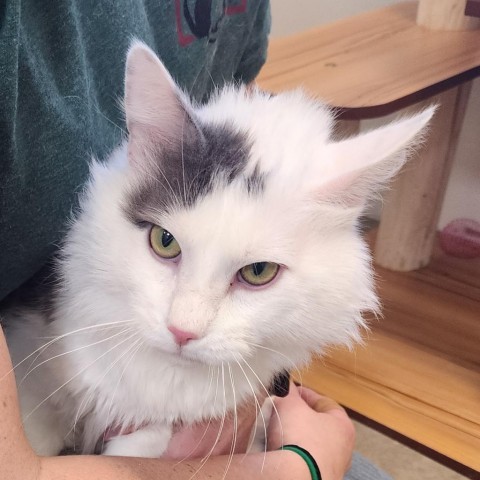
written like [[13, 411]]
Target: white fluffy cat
[[218, 245]]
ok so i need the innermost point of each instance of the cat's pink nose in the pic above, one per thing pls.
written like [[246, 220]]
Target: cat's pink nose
[[182, 337]]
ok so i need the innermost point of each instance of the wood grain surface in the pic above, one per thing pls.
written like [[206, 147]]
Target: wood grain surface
[[373, 63]]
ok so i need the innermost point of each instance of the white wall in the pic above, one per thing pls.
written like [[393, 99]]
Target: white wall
[[463, 192], [290, 16]]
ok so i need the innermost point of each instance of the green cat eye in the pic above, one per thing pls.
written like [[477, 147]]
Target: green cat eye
[[259, 273], [163, 243]]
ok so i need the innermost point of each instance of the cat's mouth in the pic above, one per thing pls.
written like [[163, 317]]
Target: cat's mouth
[[192, 357], [183, 356], [193, 353]]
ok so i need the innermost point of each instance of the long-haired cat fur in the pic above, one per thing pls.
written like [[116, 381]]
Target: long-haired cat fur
[[217, 246]]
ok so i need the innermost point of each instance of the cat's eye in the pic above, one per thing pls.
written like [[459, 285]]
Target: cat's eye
[[163, 243], [259, 273]]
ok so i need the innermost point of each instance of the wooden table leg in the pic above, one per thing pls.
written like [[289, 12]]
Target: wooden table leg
[[412, 206]]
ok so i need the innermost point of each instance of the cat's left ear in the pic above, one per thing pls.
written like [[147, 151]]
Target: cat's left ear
[[158, 114], [354, 169]]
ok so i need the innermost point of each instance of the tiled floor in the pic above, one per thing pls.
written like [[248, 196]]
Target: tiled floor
[[398, 460]]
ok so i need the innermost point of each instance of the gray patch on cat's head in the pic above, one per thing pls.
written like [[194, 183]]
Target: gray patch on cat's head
[[207, 156]]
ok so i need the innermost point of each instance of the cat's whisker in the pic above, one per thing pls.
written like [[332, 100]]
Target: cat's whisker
[[211, 374], [258, 408], [183, 163], [75, 376], [294, 367], [91, 101], [60, 337], [172, 191], [100, 328], [146, 173], [109, 120], [174, 195], [91, 391], [128, 329], [235, 423], [195, 80], [268, 395], [192, 183], [215, 86], [134, 348], [42, 349], [220, 430]]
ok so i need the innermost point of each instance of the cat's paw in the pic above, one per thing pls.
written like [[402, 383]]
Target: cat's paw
[[150, 441]]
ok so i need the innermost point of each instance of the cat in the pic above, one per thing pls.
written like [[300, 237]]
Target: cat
[[217, 245]]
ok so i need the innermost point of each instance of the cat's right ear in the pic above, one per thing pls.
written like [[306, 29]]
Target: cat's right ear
[[157, 113], [355, 169]]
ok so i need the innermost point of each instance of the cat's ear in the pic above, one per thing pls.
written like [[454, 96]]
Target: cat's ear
[[157, 112], [355, 169]]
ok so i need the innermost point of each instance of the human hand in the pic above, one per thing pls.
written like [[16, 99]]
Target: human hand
[[317, 424]]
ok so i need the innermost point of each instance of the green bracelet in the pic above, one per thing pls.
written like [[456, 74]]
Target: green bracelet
[[309, 460]]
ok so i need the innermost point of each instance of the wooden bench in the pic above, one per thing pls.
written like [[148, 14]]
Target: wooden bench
[[420, 371]]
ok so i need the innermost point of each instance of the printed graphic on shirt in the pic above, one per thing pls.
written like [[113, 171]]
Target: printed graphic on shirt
[[197, 19]]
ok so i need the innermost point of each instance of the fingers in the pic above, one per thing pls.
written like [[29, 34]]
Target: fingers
[[309, 396], [315, 401], [327, 405], [319, 403]]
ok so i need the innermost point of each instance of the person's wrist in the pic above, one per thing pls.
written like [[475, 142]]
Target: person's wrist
[[297, 466], [308, 458]]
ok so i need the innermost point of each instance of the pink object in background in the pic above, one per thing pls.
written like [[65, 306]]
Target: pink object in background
[[461, 238]]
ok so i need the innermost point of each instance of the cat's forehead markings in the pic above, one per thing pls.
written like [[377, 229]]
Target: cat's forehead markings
[[189, 171]]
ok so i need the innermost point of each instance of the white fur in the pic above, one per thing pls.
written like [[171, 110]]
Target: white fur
[[305, 220]]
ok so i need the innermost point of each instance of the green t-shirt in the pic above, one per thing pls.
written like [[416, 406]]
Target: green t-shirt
[[61, 78]]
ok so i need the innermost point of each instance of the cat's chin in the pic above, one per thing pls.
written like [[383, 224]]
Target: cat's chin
[[177, 356], [188, 358], [198, 355], [210, 359]]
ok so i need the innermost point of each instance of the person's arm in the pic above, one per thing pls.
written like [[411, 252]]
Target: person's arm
[[301, 425], [278, 465], [17, 460]]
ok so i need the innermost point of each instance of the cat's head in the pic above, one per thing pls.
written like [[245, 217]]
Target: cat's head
[[231, 228]]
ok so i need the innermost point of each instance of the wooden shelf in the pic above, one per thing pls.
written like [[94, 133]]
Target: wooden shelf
[[419, 371], [349, 63]]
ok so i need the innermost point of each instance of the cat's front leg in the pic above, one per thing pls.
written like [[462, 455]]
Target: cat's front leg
[[149, 441]]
